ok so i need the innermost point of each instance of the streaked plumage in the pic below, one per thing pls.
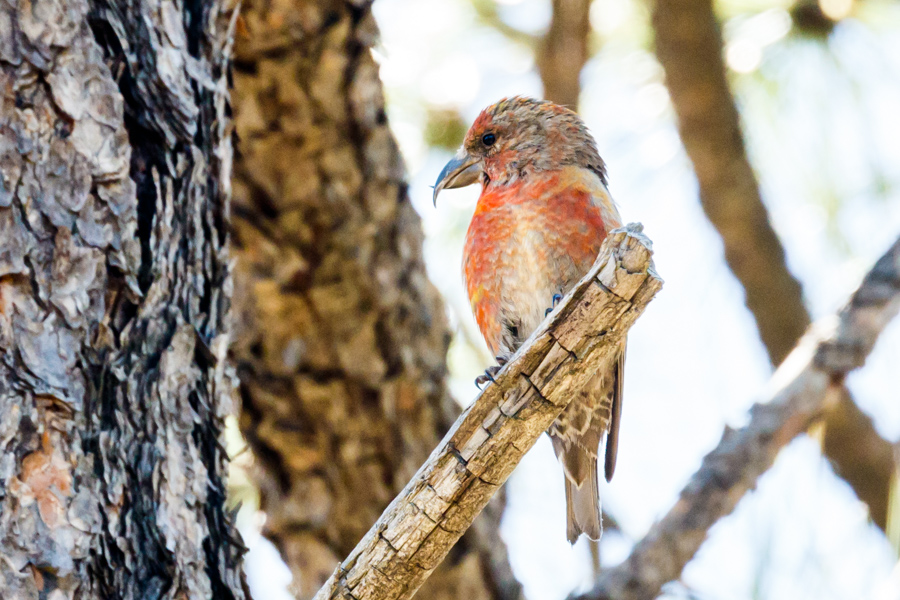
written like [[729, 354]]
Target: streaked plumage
[[544, 210]]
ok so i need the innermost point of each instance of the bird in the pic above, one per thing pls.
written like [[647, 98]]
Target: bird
[[543, 212]]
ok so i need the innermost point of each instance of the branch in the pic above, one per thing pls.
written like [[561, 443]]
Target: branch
[[493, 434], [860, 456], [809, 380], [689, 47], [564, 51], [487, 13]]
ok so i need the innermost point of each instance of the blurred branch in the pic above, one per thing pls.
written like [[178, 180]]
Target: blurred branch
[[866, 462], [486, 443], [561, 53], [807, 383], [809, 19], [689, 47], [564, 51], [487, 13]]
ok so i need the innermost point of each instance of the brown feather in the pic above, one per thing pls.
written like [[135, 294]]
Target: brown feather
[[583, 503], [576, 437], [612, 438]]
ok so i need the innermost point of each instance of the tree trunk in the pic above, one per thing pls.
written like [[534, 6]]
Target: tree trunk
[[114, 292], [341, 338]]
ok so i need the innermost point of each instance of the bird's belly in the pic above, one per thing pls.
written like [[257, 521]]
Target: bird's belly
[[523, 246], [518, 275], [533, 273]]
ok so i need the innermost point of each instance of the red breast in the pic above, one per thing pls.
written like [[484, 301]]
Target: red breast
[[530, 239]]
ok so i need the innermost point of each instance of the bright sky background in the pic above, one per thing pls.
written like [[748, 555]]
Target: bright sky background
[[822, 122]]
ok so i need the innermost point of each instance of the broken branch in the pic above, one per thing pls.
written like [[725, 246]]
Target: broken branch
[[489, 439]]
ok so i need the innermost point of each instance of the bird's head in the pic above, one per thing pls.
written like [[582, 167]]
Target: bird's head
[[516, 137]]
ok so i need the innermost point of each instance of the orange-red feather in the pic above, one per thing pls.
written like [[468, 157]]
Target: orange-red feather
[[571, 211]]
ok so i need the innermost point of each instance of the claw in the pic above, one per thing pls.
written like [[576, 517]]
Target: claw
[[488, 376], [501, 360], [556, 299]]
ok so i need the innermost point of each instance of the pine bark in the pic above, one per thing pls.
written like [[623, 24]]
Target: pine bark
[[114, 294], [341, 338]]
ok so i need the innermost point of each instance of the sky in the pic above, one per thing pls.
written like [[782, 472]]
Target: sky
[[823, 133]]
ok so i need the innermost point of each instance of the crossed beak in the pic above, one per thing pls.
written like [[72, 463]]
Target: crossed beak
[[462, 170]]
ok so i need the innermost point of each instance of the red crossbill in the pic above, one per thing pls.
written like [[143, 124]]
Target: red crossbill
[[543, 212]]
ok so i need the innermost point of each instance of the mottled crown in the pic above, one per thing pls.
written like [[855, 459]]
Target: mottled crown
[[534, 135]]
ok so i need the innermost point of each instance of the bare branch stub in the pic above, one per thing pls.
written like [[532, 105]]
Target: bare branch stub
[[809, 380], [486, 443]]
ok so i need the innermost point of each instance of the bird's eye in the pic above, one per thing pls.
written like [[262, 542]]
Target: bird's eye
[[488, 139]]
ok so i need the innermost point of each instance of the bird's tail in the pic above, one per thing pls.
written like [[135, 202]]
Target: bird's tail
[[583, 502]]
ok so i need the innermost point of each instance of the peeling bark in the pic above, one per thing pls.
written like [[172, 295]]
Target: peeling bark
[[114, 292], [689, 47], [341, 339]]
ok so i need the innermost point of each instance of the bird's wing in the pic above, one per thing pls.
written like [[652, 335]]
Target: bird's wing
[[612, 438]]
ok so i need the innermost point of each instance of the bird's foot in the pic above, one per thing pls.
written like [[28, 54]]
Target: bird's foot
[[491, 372], [488, 376], [556, 300]]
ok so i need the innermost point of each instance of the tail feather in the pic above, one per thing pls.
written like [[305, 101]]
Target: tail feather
[[583, 506]]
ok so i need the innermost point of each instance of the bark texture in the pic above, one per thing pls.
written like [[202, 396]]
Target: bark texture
[[809, 381], [341, 338], [689, 47], [580, 338], [114, 292], [564, 51]]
